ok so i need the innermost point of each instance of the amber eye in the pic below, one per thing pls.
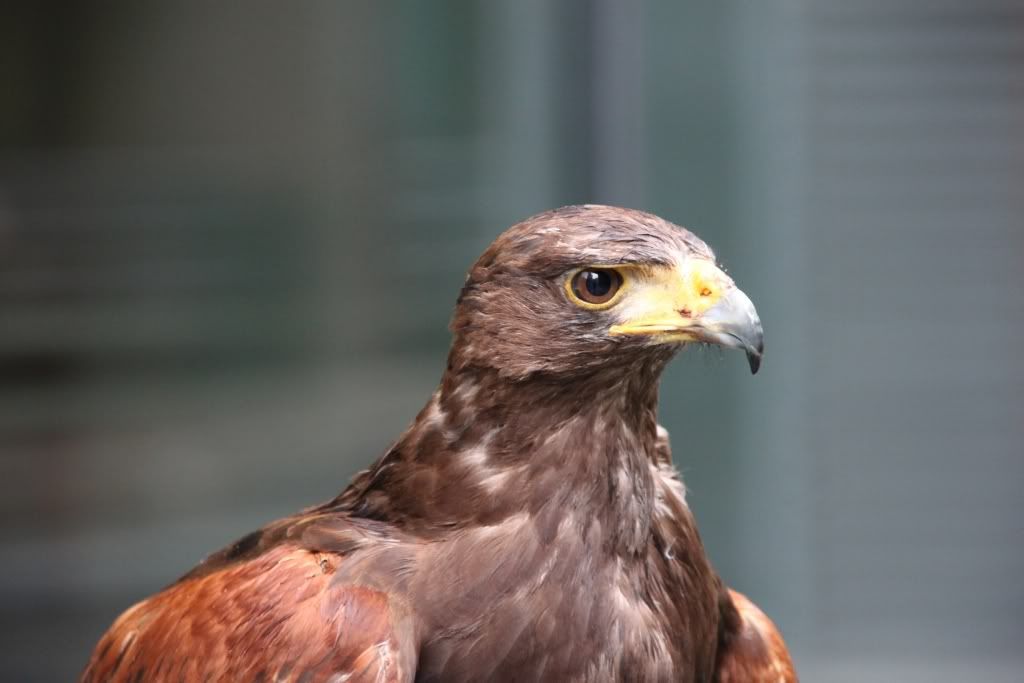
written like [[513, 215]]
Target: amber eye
[[596, 285]]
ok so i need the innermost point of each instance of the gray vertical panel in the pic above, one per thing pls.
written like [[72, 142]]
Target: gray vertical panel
[[916, 394], [689, 180], [619, 104], [517, 81], [773, 478]]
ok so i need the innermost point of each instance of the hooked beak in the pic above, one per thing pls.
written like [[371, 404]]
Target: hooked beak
[[733, 323], [694, 302]]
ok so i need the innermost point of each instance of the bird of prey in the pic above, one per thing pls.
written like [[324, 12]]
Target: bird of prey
[[527, 526]]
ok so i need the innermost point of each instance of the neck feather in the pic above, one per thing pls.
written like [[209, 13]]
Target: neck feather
[[484, 449]]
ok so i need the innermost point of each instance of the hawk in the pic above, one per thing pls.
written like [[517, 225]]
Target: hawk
[[528, 525]]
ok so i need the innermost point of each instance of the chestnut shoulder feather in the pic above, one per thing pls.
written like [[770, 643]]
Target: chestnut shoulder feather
[[751, 649], [283, 615]]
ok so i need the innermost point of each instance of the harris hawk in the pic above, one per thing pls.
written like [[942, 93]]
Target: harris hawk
[[528, 525]]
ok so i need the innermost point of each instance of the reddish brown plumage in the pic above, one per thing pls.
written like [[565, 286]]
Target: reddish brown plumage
[[276, 615], [752, 648], [528, 525]]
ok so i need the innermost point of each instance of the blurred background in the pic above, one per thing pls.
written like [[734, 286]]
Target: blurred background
[[231, 236]]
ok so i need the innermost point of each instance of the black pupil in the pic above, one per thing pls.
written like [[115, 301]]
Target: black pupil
[[597, 282]]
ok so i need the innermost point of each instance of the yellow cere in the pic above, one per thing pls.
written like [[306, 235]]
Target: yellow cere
[[667, 299]]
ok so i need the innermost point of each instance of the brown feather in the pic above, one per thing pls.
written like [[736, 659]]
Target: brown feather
[[752, 649], [279, 616]]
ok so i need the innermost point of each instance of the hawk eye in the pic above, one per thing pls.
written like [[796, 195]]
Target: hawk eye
[[596, 286]]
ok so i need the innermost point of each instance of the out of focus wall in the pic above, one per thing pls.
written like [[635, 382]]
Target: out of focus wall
[[231, 236]]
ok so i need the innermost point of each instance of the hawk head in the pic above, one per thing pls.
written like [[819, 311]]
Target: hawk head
[[586, 289]]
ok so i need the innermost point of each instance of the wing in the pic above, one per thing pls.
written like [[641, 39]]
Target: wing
[[282, 615], [751, 649]]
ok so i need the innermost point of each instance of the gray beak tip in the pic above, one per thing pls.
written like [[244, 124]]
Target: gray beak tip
[[733, 322], [755, 362]]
